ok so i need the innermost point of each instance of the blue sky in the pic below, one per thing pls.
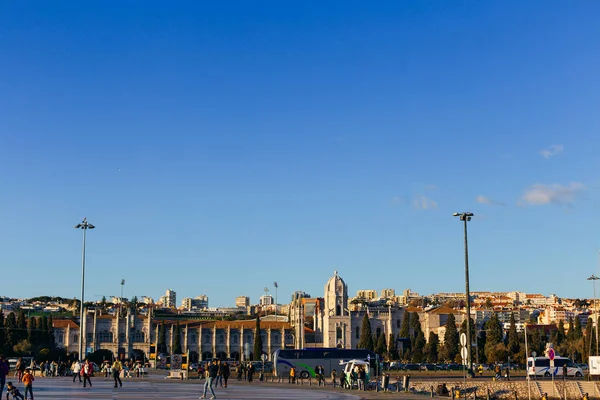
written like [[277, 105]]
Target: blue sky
[[221, 146]]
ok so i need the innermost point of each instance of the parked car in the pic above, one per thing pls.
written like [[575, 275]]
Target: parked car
[[427, 367]]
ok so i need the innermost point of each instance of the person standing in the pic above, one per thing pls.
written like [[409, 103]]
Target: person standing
[[240, 371], [333, 377], [3, 372], [507, 374], [212, 371], [76, 368], [250, 372], [225, 372], [565, 371], [20, 367], [219, 379], [86, 372], [28, 382]]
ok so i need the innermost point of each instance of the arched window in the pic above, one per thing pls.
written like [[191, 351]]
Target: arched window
[[338, 310], [398, 323], [357, 332], [338, 333]]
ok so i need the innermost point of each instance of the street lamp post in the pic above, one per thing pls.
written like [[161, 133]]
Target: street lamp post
[[594, 278], [121, 299], [465, 217], [84, 225], [276, 286]]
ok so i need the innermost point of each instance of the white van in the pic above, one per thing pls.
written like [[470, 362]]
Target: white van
[[540, 366]]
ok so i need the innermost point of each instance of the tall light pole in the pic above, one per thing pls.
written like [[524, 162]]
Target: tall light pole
[[84, 225], [594, 278], [121, 299], [466, 217], [276, 286]]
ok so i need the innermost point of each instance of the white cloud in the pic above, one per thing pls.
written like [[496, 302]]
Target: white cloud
[[398, 200], [552, 151], [424, 203], [487, 200], [540, 194]]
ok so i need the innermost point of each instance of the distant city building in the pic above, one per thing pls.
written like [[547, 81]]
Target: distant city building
[[200, 302], [242, 301], [266, 300], [169, 299], [300, 295], [366, 294], [388, 293]]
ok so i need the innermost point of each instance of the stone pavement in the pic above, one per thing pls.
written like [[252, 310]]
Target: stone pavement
[[134, 389]]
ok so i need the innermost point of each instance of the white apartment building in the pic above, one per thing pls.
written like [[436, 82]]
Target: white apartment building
[[169, 299], [199, 303], [266, 300]]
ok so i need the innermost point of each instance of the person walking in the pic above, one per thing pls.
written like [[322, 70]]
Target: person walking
[[86, 372], [20, 367], [225, 372], [116, 372], [219, 379], [212, 371], [76, 368]]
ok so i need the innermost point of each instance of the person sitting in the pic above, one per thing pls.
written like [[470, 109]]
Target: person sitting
[[11, 389]]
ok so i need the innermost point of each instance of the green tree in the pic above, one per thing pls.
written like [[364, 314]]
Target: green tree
[[590, 343], [32, 332], [560, 334], [10, 329], [392, 348], [2, 332], [405, 327], [495, 351], [51, 338], [415, 326], [418, 346], [366, 336], [161, 341], [43, 329], [405, 332], [537, 342], [450, 347], [381, 347], [431, 349], [258, 344], [513, 342], [571, 332], [577, 332], [177, 339], [21, 331]]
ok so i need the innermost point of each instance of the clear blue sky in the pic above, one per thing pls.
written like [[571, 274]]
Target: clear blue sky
[[221, 146]]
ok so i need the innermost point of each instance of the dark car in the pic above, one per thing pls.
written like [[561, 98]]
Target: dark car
[[427, 367]]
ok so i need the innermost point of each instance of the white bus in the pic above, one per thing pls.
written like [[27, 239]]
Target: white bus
[[540, 366], [306, 360]]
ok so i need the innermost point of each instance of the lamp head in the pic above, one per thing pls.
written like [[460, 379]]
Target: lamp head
[[456, 214]]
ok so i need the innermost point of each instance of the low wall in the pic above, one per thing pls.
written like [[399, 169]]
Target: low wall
[[499, 389]]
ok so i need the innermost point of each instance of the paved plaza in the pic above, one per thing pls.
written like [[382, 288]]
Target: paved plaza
[[64, 388]]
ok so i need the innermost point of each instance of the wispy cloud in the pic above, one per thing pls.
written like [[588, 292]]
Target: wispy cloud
[[423, 203], [540, 194], [398, 200], [552, 151], [431, 186], [487, 200]]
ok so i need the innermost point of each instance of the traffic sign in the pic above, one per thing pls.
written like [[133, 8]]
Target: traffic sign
[[551, 354], [463, 339]]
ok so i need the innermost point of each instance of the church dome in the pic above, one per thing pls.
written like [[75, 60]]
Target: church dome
[[335, 284]]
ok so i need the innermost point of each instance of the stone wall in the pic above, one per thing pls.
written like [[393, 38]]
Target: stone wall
[[499, 389]]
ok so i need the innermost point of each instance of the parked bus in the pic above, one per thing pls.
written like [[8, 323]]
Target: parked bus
[[540, 366], [306, 360]]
